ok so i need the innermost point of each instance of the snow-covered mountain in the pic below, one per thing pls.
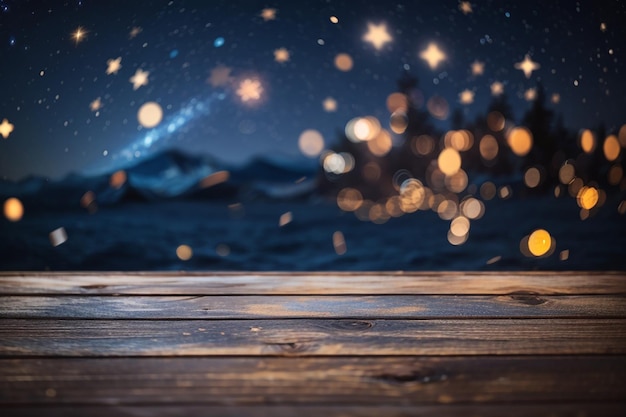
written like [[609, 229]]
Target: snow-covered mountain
[[167, 175]]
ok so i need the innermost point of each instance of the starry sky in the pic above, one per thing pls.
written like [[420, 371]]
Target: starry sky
[[234, 79]]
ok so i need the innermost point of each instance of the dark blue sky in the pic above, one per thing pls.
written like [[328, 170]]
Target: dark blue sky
[[48, 80]]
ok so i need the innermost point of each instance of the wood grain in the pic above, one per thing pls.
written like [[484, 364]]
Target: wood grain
[[339, 380], [440, 410], [251, 307], [363, 283], [306, 337]]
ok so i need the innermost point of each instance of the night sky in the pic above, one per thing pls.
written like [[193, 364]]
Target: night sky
[[241, 78]]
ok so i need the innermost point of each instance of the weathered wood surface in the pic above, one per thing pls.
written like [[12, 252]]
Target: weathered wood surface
[[330, 283], [337, 410], [250, 307], [305, 337], [239, 381], [310, 344]]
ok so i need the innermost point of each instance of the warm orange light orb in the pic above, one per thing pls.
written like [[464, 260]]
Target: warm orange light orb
[[13, 209], [539, 242], [588, 197], [449, 161], [520, 140]]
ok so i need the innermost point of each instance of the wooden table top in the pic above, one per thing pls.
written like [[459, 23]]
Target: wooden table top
[[311, 344]]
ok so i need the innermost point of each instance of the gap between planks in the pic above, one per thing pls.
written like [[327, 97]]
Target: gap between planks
[[365, 283]]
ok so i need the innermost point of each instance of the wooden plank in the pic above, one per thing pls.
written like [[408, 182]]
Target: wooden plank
[[306, 337], [447, 410], [187, 283], [325, 381], [251, 307]]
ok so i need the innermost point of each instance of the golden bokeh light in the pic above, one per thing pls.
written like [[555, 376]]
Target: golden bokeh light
[[117, 179], [457, 240], [249, 90], [615, 175], [343, 62], [539, 242], [398, 122], [461, 140], [520, 139], [329, 104], [6, 128], [532, 177], [361, 129], [311, 143], [488, 147], [622, 136], [460, 226], [211, 180], [574, 187], [432, 55], [611, 148], [381, 144], [334, 19], [488, 190], [377, 35], [567, 173], [349, 199], [337, 163], [150, 114], [397, 102], [447, 209], [87, 199], [393, 206], [438, 107], [587, 197], [139, 79], [422, 145], [412, 195], [339, 243], [449, 161], [505, 192], [184, 252], [564, 255], [587, 141], [13, 209], [495, 121], [472, 208], [285, 219], [371, 171], [457, 182]]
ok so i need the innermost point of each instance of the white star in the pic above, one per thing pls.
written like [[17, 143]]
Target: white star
[[249, 90], [268, 14], [96, 104], [281, 55], [432, 55], [465, 7], [478, 68], [220, 76], [114, 65], [497, 88], [527, 65], [329, 104], [5, 128], [466, 97], [140, 78], [530, 94], [135, 31], [377, 35]]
